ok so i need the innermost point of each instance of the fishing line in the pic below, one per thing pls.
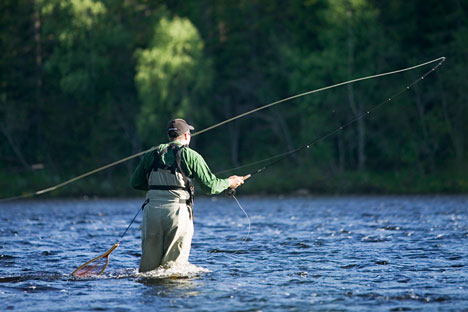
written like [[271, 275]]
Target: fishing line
[[27, 195], [247, 216], [133, 220], [231, 253], [278, 158]]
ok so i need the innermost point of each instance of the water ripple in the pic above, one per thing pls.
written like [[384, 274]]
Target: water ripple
[[325, 253]]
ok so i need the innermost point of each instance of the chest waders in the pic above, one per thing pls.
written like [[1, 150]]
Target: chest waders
[[163, 177]]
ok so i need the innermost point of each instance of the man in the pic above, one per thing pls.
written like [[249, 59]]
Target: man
[[166, 174]]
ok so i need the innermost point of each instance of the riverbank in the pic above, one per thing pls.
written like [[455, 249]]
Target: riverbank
[[275, 181]]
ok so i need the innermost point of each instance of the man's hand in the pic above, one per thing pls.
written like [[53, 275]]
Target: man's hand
[[236, 181]]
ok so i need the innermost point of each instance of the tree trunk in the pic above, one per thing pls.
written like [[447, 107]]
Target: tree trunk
[[286, 134], [357, 110], [38, 100], [341, 153], [15, 147], [457, 140], [427, 145], [234, 136], [280, 128]]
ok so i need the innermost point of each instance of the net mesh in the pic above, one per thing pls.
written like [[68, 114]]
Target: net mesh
[[95, 266]]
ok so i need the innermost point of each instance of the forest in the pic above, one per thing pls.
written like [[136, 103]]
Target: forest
[[85, 83]]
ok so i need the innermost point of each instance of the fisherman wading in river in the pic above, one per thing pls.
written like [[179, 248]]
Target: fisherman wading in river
[[166, 174]]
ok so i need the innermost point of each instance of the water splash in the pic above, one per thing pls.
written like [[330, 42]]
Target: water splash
[[174, 270]]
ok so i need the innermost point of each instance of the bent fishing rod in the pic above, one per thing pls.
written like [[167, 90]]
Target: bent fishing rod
[[440, 60]]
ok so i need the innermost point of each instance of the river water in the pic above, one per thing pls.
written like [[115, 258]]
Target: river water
[[302, 254]]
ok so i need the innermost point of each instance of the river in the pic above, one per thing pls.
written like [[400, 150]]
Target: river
[[358, 253]]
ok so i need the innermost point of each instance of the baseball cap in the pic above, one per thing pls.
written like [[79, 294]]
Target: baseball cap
[[178, 127]]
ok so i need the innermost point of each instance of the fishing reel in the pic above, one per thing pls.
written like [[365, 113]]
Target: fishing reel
[[230, 192]]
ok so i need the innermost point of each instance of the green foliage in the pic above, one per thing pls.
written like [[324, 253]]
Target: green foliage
[[170, 74], [87, 82]]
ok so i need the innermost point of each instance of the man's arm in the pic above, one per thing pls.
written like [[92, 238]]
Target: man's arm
[[139, 180], [198, 169]]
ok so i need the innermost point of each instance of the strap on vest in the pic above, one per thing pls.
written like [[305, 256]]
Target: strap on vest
[[157, 164], [188, 183], [174, 167], [166, 187]]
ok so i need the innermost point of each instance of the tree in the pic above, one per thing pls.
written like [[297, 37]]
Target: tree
[[18, 82], [350, 46], [172, 73]]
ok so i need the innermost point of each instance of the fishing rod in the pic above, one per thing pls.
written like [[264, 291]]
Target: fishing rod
[[79, 177]]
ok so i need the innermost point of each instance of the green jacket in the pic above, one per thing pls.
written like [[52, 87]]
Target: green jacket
[[194, 164]]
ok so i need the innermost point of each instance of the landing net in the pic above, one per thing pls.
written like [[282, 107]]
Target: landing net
[[96, 266]]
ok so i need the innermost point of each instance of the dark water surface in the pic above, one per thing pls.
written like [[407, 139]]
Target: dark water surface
[[303, 254]]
